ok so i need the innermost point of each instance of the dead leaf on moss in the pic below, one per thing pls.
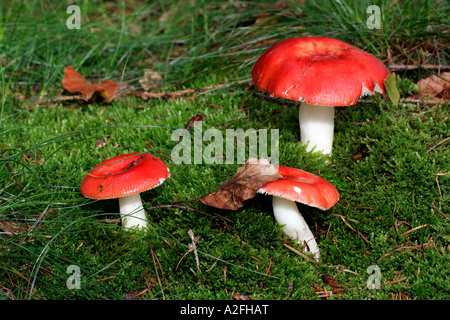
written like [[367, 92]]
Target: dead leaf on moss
[[189, 124], [435, 87], [240, 296], [75, 82], [253, 175], [330, 281], [11, 229], [100, 143]]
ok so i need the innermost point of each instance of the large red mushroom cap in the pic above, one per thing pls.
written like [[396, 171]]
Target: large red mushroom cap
[[124, 175], [304, 187], [318, 70]]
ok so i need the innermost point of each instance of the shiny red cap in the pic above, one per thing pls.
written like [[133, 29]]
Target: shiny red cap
[[124, 175], [304, 187], [318, 70]]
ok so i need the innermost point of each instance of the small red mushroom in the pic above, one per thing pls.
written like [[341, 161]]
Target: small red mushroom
[[125, 177], [322, 73], [303, 187]]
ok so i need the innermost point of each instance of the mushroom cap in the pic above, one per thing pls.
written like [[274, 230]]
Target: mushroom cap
[[124, 175], [318, 70], [304, 187]]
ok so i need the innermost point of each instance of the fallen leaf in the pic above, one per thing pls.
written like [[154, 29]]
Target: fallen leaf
[[249, 178], [330, 281], [240, 296], [189, 124], [100, 143], [435, 87], [11, 229], [75, 82], [107, 89], [390, 84], [134, 295]]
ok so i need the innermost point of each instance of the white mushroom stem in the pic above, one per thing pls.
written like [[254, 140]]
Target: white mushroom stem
[[294, 225], [132, 212], [317, 127]]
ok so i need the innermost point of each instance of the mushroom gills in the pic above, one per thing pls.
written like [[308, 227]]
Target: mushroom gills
[[294, 225], [132, 212], [317, 127]]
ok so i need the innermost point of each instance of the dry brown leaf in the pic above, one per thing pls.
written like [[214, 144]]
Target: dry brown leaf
[[189, 124], [435, 87], [107, 89], [330, 281], [231, 194], [240, 296], [75, 82], [100, 143], [11, 229], [134, 295]]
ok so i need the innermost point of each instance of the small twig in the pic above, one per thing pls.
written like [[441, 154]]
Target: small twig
[[135, 294], [341, 269], [145, 95], [410, 248], [393, 281], [193, 246], [357, 231], [408, 100], [107, 278], [438, 144], [362, 236], [224, 269], [59, 99], [414, 229], [157, 274], [422, 101], [299, 253], [343, 219], [402, 67], [184, 255], [328, 230], [267, 272], [214, 264], [439, 187]]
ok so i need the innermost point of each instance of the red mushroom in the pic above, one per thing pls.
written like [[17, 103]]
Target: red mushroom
[[125, 177], [304, 187], [321, 73]]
